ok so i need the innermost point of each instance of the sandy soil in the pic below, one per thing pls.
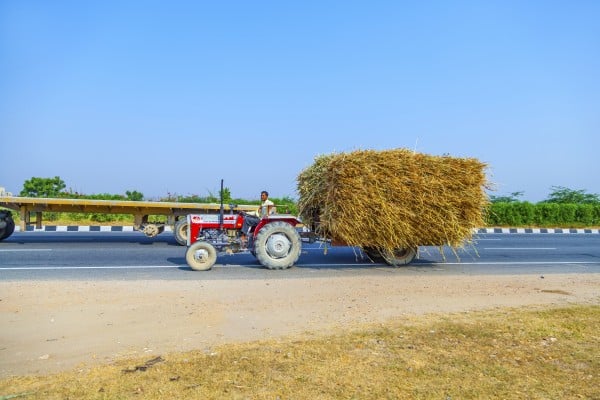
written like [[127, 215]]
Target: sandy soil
[[51, 326]]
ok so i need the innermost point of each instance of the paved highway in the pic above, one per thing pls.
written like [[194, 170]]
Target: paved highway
[[132, 256]]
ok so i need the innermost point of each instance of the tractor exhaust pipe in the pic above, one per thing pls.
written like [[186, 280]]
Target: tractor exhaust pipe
[[221, 210]]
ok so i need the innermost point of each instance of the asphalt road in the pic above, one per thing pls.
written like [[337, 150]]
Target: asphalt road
[[132, 256]]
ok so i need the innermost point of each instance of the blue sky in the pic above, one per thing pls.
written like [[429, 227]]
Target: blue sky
[[170, 97]]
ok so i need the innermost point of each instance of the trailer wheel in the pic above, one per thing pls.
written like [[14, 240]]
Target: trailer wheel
[[180, 231], [374, 254], [9, 228], [278, 245], [399, 256], [201, 256]]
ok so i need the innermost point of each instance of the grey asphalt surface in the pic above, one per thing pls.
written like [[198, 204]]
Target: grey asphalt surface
[[132, 256]]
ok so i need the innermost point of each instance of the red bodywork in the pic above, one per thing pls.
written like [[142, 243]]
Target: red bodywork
[[199, 222]]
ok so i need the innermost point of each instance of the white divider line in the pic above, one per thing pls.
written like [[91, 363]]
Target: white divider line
[[519, 248], [58, 268], [22, 250], [411, 266]]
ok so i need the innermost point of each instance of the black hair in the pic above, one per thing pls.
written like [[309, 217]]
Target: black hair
[[265, 192]]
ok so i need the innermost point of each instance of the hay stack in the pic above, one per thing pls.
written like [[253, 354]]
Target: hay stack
[[394, 198]]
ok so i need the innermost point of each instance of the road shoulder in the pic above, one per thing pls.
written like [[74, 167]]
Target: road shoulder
[[49, 326]]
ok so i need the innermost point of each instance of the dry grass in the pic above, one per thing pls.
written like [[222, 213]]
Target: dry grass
[[502, 354], [394, 199]]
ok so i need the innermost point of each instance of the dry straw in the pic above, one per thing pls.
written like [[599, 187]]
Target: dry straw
[[393, 199]]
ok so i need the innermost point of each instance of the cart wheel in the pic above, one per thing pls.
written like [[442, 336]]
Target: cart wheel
[[201, 256], [374, 254], [399, 256]]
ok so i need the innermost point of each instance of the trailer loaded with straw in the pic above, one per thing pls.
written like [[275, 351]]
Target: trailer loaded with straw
[[388, 203], [391, 202]]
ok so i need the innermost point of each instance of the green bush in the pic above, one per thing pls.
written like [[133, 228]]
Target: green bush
[[588, 214], [543, 214]]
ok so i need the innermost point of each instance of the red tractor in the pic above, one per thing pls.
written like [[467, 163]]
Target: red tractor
[[274, 241]]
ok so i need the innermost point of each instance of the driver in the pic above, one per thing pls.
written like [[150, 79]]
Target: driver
[[266, 208]]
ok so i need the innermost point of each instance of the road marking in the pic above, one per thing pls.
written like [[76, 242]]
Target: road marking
[[59, 268], [519, 248], [413, 265], [514, 263], [22, 250], [91, 267]]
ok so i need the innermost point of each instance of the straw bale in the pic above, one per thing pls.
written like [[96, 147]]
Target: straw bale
[[393, 199]]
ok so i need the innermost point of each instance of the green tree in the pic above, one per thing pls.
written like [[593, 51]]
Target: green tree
[[43, 187], [564, 195], [134, 195], [513, 197], [226, 195]]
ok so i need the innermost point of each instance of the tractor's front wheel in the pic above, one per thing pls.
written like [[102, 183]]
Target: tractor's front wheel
[[180, 231], [277, 245], [201, 256]]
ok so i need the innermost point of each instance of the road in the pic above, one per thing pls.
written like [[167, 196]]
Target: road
[[132, 256]]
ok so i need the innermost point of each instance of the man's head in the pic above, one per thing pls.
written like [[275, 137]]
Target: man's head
[[264, 195]]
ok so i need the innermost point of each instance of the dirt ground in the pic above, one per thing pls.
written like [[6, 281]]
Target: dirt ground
[[50, 326]]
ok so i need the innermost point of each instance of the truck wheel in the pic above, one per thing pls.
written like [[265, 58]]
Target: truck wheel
[[180, 231], [399, 256], [201, 256], [374, 254], [8, 229], [277, 245]]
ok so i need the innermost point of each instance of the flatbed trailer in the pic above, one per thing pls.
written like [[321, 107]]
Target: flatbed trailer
[[175, 212]]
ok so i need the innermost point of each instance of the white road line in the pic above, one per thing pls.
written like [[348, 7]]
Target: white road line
[[414, 265], [58, 268], [518, 263], [519, 248], [22, 250]]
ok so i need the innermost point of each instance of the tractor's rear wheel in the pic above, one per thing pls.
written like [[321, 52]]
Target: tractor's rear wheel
[[201, 256], [395, 258], [180, 231], [277, 245]]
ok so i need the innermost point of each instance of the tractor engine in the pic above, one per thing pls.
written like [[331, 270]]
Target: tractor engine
[[214, 236]]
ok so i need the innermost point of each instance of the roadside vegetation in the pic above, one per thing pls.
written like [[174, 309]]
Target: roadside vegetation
[[564, 207], [502, 354]]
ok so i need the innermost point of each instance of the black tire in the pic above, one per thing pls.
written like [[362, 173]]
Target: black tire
[[180, 231], [374, 254], [399, 256], [277, 245], [201, 256], [8, 229]]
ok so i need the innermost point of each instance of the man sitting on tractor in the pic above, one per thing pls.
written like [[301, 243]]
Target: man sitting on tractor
[[267, 207]]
